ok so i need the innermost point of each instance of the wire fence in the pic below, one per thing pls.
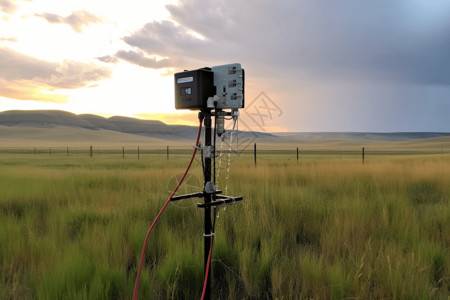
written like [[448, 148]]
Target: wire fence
[[266, 151], [95, 151]]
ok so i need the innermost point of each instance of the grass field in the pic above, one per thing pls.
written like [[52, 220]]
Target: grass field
[[72, 227]]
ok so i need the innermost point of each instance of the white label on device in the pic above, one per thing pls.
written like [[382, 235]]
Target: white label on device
[[185, 79]]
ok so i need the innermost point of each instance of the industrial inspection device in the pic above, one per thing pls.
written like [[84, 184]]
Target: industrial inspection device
[[217, 92]]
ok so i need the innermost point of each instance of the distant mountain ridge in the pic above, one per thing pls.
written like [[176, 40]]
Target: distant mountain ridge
[[44, 119], [53, 118], [56, 118], [374, 136]]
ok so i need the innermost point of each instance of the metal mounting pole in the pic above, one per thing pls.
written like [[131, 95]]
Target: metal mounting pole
[[211, 196], [207, 197]]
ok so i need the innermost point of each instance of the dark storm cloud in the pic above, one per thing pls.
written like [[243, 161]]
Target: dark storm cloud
[[162, 37], [179, 45], [108, 59], [138, 58], [15, 66], [142, 60], [77, 20], [330, 65], [168, 40], [402, 41]]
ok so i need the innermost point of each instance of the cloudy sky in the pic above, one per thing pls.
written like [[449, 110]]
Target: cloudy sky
[[311, 65]]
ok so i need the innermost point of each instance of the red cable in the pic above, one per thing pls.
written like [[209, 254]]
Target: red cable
[[207, 269], [136, 286]]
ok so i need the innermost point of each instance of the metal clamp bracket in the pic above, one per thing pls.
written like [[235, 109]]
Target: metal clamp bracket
[[210, 188], [207, 151], [221, 200]]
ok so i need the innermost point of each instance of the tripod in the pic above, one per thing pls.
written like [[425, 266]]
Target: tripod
[[211, 196]]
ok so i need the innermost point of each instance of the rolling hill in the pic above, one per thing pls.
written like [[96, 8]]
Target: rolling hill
[[59, 128], [52, 119]]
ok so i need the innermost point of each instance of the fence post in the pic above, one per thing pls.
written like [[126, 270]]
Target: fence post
[[123, 152], [297, 154], [67, 151], [90, 151], [363, 155], [254, 153], [138, 152], [50, 150], [167, 152]]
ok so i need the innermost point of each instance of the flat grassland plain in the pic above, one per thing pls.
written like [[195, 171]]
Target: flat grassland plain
[[325, 227]]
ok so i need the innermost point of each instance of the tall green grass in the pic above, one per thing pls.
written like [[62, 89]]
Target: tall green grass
[[328, 228]]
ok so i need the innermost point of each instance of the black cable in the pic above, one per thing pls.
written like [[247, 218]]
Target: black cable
[[203, 163], [213, 152], [136, 286]]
